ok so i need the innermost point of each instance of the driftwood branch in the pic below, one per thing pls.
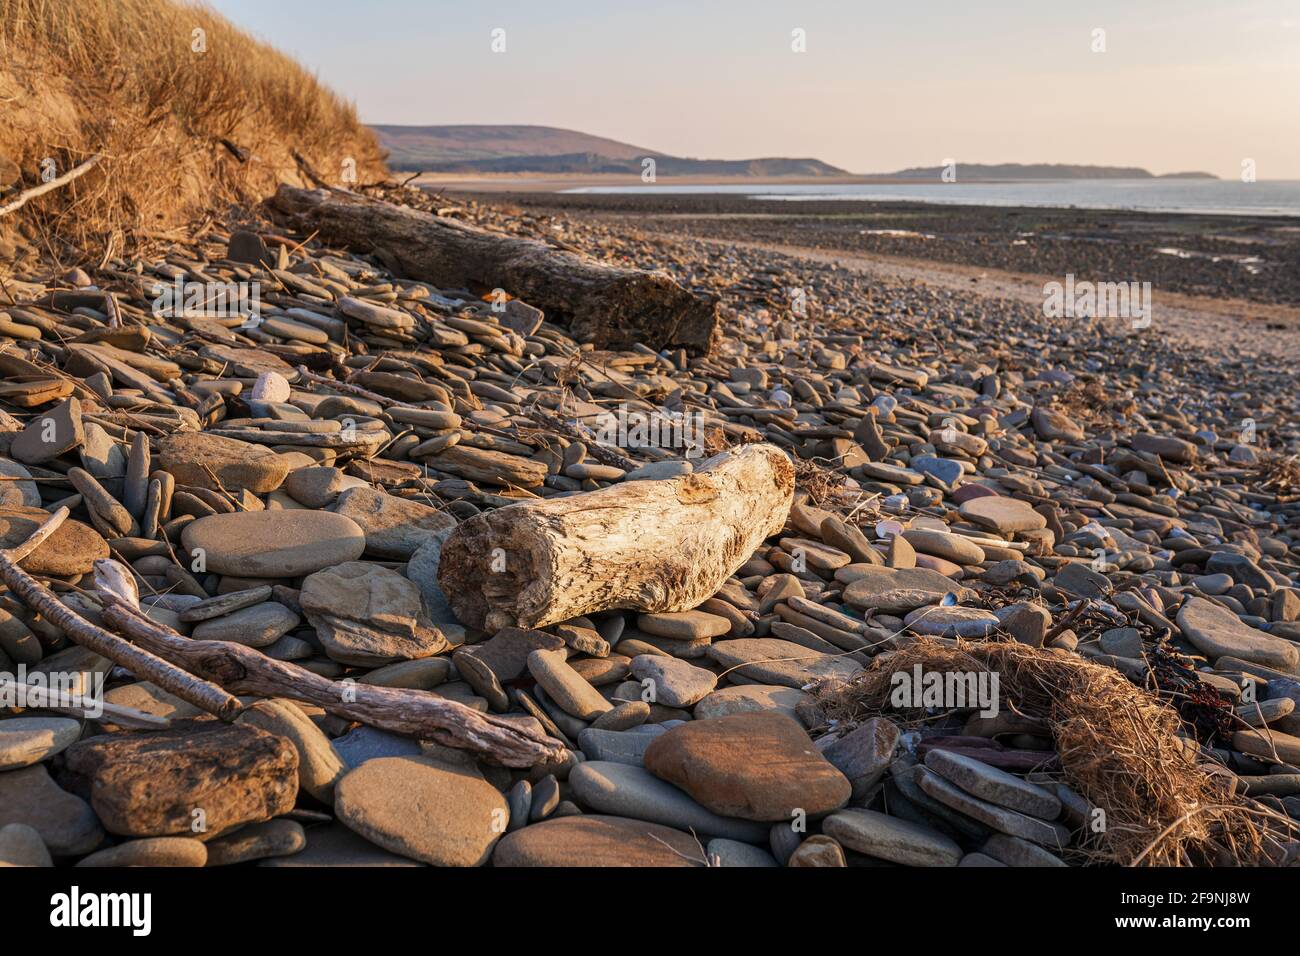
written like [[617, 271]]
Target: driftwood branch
[[512, 742], [609, 305], [89, 635], [644, 545], [28, 194]]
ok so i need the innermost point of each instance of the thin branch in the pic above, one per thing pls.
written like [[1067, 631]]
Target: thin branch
[[21, 199]]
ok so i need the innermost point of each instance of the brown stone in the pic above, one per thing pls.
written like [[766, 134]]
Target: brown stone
[[72, 549], [758, 766], [594, 840], [155, 784]]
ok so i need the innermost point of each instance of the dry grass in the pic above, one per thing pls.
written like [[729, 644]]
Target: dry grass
[[122, 78], [1118, 747]]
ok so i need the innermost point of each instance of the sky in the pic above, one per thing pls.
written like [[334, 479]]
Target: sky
[[1181, 84]]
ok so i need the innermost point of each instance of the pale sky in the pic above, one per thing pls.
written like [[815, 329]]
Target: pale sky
[[1182, 84]]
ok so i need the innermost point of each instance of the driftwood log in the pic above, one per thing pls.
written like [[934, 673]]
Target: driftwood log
[[642, 545], [509, 741], [610, 306]]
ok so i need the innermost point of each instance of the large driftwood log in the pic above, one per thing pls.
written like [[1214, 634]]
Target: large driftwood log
[[643, 545], [611, 306]]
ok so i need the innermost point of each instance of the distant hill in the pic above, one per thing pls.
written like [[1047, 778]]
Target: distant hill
[[972, 171], [545, 149]]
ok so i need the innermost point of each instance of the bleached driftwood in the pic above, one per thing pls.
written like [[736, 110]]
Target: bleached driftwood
[[642, 545], [508, 740]]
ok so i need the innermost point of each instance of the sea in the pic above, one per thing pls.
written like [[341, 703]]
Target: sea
[[1272, 197]]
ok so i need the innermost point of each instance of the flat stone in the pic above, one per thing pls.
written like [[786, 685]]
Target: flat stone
[[424, 809], [366, 614], [258, 841], [996, 786], [1003, 515], [317, 486], [618, 789], [750, 699], [945, 469], [152, 851], [758, 766], [1123, 642], [226, 603], [394, 527], [319, 765], [151, 699], [19, 493], [772, 661], [1217, 632], [1013, 851], [597, 840], [819, 850], [624, 716], [236, 464], [20, 845], [676, 683], [49, 434], [1241, 569], [724, 852], [684, 625], [423, 674], [942, 544], [370, 743], [507, 651], [891, 838], [864, 753], [274, 544], [1054, 426], [954, 621], [565, 686], [258, 626], [71, 550], [422, 568], [617, 746], [28, 740], [65, 822], [871, 587], [335, 845], [150, 783], [999, 818], [1082, 581]]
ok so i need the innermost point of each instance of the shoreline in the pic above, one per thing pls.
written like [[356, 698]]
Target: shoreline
[[1251, 260]]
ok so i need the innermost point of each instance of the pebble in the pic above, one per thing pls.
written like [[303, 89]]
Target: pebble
[[761, 766], [274, 544], [891, 838], [154, 851], [148, 784], [66, 824], [619, 789], [257, 841], [675, 683], [28, 740], [420, 808], [20, 845], [565, 686], [994, 785], [596, 840]]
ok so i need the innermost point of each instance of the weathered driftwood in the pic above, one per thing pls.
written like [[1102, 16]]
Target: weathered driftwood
[[138, 661], [608, 305], [643, 545], [510, 741]]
